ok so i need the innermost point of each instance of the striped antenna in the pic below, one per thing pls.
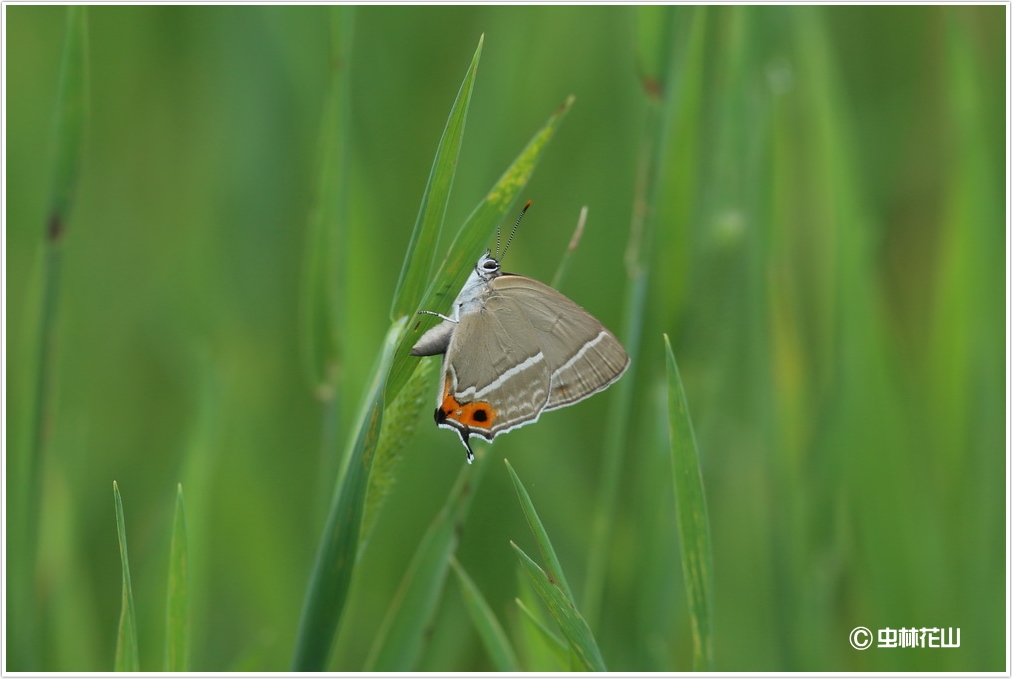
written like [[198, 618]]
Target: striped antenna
[[498, 256]]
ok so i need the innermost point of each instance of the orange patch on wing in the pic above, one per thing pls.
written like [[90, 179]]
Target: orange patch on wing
[[478, 414]]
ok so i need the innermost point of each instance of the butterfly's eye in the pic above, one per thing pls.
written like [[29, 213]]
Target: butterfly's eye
[[490, 265]]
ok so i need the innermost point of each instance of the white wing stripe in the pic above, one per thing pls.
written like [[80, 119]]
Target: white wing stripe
[[579, 354], [497, 382]]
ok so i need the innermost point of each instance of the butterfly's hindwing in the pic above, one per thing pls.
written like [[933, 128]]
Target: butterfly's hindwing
[[583, 356]]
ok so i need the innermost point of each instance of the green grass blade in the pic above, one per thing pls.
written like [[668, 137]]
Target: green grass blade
[[673, 191], [498, 645], [400, 419], [127, 659], [401, 636], [653, 46], [540, 535], [967, 412], [71, 112], [574, 242], [693, 519], [421, 253], [322, 281], [545, 638], [327, 593], [177, 623], [671, 67], [68, 133], [573, 626], [467, 245]]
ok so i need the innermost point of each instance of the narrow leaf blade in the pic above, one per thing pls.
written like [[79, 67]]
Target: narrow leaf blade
[[469, 241], [327, 593], [543, 638], [574, 242], [572, 624], [693, 520], [540, 535], [670, 141], [127, 659], [177, 623], [401, 637], [71, 113], [323, 276], [498, 645], [26, 493], [421, 253]]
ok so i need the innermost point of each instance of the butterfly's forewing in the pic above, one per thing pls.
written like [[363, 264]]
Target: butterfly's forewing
[[583, 356]]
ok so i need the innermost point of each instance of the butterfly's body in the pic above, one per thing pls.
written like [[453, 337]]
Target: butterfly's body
[[515, 347]]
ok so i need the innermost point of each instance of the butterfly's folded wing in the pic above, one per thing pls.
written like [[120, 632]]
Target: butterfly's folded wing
[[496, 377], [583, 356]]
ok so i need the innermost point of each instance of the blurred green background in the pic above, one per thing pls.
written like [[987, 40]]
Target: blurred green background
[[828, 262]]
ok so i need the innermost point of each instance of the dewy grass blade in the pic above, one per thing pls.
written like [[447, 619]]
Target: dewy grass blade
[[421, 253], [127, 659], [467, 245], [498, 645], [177, 623], [693, 519], [327, 593], [540, 535], [573, 626], [399, 642]]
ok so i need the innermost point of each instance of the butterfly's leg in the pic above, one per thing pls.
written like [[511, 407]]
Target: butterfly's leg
[[438, 315]]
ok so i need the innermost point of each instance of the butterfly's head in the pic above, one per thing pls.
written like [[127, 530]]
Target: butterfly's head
[[487, 266]]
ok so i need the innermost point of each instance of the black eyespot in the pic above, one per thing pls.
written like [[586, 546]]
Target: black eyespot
[[440, 415], [480, 415]]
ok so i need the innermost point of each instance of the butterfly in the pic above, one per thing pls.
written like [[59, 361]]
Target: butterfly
[[512, 349]]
